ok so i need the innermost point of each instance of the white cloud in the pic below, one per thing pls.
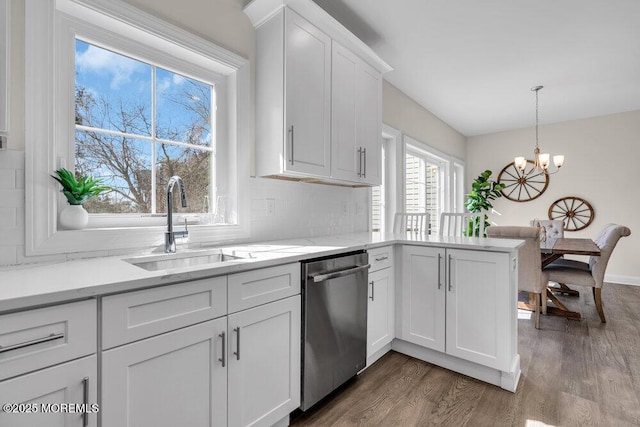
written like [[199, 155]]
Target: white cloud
[[101, 61], [164, 84], [178, 79]]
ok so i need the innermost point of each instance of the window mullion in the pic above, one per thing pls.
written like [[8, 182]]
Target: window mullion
[[154, 136]]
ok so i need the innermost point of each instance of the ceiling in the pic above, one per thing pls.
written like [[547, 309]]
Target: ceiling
[[472, 63]]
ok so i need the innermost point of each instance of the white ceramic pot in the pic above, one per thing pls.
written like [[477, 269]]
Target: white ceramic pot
[[74, 217]]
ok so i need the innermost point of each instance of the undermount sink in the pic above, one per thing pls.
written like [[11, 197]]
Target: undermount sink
[[180, 260]]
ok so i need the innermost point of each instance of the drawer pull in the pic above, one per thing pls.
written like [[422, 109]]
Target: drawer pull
[[237, 352], [224, 350], [85, 399], [382, 258], [373, 290], [51, 337]]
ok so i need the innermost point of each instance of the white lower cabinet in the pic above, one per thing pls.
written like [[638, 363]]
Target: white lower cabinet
[[422, 305], [173, 379], [458, 302], [37, 399], [237, 370], [381, 305], [264, 363]]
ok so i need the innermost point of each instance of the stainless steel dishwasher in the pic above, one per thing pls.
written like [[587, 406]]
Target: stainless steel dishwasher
[[334, 323]]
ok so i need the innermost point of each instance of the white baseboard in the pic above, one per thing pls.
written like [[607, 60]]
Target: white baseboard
[[505, 380], [623, 280]]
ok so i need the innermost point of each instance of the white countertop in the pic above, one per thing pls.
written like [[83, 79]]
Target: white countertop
[[37, 284]]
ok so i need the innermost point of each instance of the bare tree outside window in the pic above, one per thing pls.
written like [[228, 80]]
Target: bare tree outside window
[[137, 125]]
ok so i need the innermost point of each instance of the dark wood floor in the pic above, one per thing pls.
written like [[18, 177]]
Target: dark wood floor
[[574, 373]]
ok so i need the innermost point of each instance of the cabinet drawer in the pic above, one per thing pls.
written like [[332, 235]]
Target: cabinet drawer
[[42, 337], [136, 315], [380, 258], [257, 287]]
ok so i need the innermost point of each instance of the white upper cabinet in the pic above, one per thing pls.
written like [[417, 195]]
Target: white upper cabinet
[[318, 96], [307, 97], [356, 118]]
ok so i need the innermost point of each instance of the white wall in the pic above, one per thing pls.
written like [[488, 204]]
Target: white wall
[[601, 166], [406, 115]]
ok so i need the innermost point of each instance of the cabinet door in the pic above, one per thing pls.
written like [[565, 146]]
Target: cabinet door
[[380, 312], [264, 363], [43, 391], [346, 158], [356, 118], [369, 122], [174, 379], [479, 307], [307, 97], [423, 296]]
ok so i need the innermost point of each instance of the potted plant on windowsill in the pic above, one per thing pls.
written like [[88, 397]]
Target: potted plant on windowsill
[[77, 191]]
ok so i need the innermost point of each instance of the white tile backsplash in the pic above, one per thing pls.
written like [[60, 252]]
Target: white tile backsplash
[[278, 210]]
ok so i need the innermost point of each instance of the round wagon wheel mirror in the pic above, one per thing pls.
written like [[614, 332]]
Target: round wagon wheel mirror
[[523, 185], [575, 213]]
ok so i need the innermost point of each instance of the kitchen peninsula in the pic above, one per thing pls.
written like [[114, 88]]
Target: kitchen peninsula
[[450, 301]]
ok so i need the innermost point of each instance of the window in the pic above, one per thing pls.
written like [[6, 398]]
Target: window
[[137, 125], [378, 199], [433, 182], [134, 100]]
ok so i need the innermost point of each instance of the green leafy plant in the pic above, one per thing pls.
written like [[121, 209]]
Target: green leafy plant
[[483, 191], [78, 190]]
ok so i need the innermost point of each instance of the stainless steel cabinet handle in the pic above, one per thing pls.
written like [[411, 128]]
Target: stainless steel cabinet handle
[[85, 400], [364, 154], [382, 258], [223, 359], [439, 275], [237, 352], [359, 161], [373, 290], [450, 274], [291, 142], [334, 275], [51, 337]]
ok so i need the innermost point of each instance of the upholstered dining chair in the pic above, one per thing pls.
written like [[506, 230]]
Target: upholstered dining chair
[[553, 228], [531, 278], [455, 224], [414, 222], [590, 274]]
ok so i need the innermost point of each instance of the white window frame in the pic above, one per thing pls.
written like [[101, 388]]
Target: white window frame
[[452, 199], [5, 68], [50, 32]]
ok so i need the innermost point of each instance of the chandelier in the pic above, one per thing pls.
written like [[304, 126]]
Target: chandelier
[[541, 160]]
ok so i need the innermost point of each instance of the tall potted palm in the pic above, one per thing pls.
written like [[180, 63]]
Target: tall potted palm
[[483, 191], [77, 191]]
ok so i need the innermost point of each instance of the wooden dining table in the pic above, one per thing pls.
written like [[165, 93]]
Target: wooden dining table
[[553, 248]]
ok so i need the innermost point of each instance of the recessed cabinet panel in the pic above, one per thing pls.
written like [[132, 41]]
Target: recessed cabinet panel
[[256, 287], [264, 363], [380, 313], [174, 379], [478, 307], [136, 315], [356, 126], [346, 158], [423, 297], [34, 339], [369, 122], [46, 389], [307, 97]]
